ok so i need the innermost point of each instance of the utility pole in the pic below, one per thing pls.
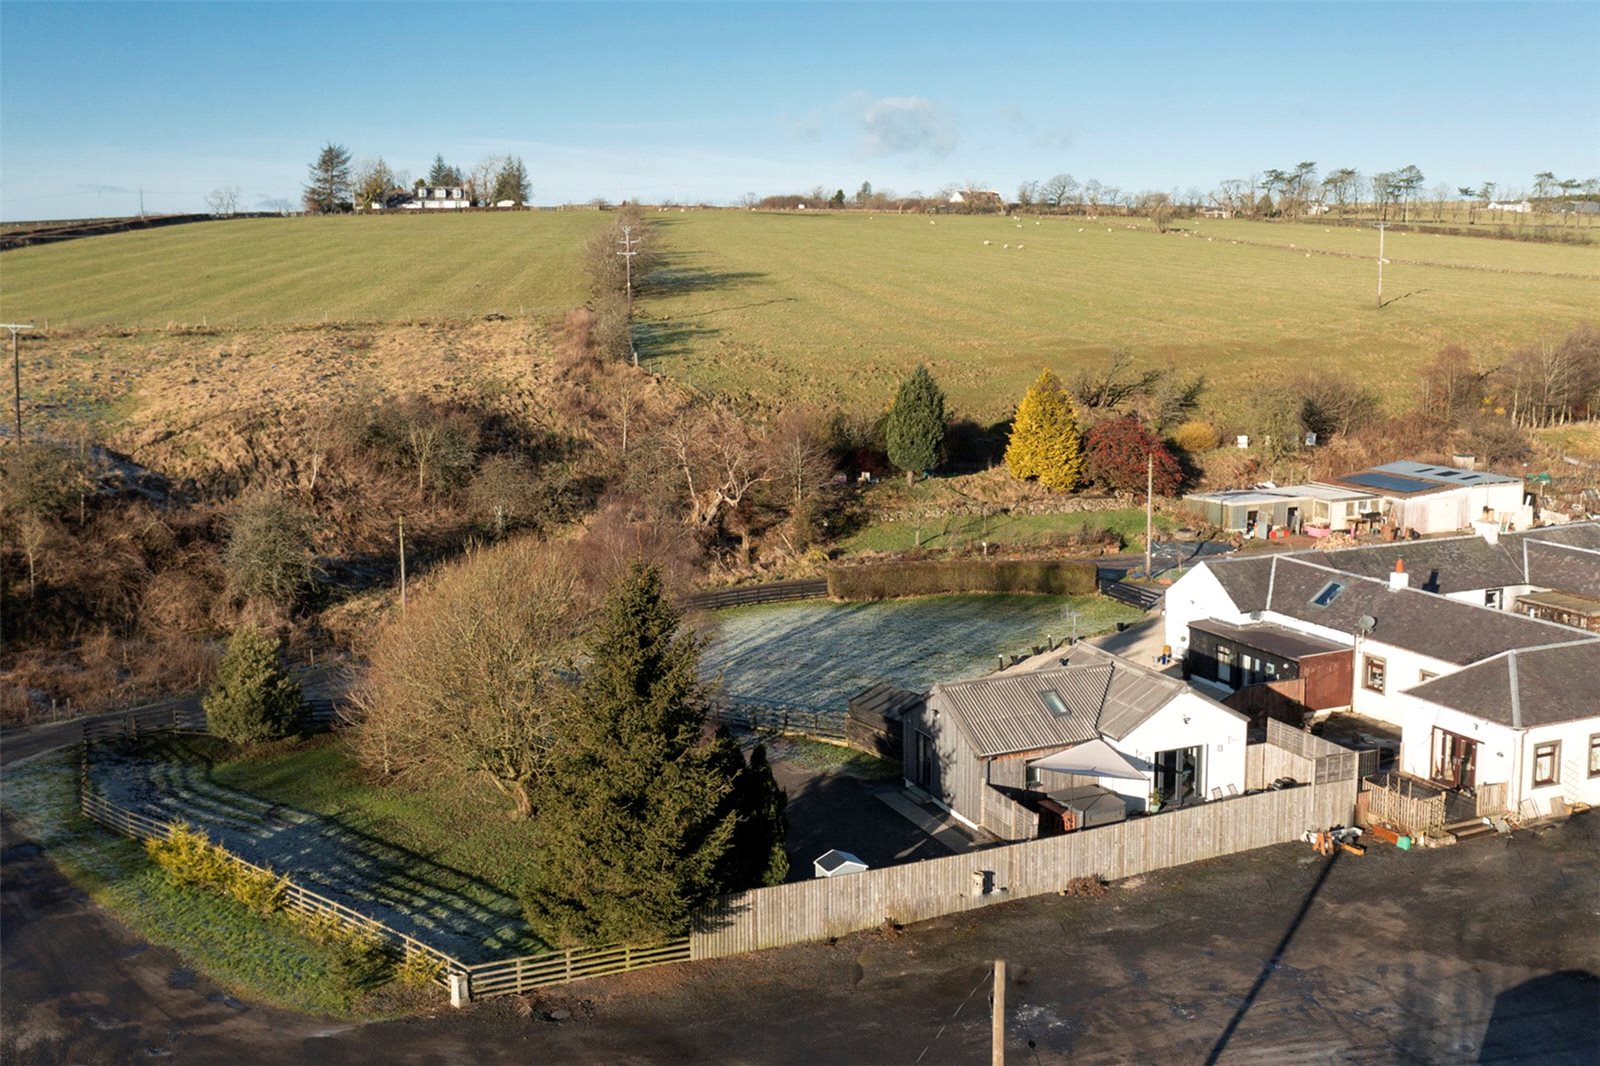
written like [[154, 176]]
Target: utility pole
[[16, 370], [1149, 507], [402, 564], [997, 1025], [627, 253], [1381, 227]]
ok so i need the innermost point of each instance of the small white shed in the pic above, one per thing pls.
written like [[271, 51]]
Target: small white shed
[[836, 862]]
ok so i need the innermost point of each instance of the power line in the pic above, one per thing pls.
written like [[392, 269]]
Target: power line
[[629, 250], [955, 1012]]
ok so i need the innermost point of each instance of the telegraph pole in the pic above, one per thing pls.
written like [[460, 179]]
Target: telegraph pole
[[628, 252], [16, 371], [1149, 507], [1381, 227], [997, 1024], [402, 564]]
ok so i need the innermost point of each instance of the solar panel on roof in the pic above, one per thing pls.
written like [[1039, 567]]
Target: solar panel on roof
[[1389, 482]]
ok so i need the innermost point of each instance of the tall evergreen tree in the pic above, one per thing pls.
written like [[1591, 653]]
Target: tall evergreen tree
[[442, 173], [636, 819], [915, 428], [252, 698], [1045, 442], [329, 188], [511, 182], [764, 830]]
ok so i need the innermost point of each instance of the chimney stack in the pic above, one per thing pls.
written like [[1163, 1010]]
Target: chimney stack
[[1399, 579], [1488, 529]]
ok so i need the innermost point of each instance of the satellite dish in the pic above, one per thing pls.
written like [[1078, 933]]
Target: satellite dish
[[1366, 623]]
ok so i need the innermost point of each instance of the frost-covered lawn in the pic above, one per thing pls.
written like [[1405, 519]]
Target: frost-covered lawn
[[306, 813], [819, 654]]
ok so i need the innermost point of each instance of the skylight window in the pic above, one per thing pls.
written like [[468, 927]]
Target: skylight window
[[1329, 593], [1054, 703]]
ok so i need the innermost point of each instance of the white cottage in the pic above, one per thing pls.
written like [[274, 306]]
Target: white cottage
[[1002, 752], [1430, 498], [1527, 721]]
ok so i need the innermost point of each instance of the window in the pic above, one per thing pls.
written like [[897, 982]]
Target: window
[[1495, 598], [1546, 763], [1053, 702], [1594, 754], [1424, 676], [1373, 671], [1329, 593]]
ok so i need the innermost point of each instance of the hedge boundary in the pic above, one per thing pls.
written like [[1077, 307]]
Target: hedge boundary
[[880, 581]]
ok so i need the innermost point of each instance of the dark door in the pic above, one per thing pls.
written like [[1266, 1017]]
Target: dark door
[[924, 764], [1455, 759]]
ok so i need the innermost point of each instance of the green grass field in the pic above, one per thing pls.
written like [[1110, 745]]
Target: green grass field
[[834, 308], [280, 271], [966, 531], [831, 308]]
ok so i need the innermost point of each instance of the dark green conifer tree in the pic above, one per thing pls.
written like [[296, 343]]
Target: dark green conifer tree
[[636, 820]]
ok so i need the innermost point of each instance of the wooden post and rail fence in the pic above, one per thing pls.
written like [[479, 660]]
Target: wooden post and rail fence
[[817, 909]]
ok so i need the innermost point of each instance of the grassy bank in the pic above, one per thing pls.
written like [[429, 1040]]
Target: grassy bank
[[1022, 530]]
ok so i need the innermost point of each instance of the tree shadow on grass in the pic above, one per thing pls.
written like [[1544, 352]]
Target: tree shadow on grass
[[453, 911]]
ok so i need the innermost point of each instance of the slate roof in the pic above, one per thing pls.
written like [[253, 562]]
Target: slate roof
[[1553, 685], [1410, 618], [1104, 696], [1558, 557]]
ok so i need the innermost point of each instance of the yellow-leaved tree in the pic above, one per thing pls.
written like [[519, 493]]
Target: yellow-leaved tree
[[1045, 443]]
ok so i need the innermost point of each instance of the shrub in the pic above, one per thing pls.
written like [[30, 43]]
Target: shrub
[[269, 550], [252, 699], [360, 961], [1118, 450], [1058, 577], [190, 859], [418, 970], [260, 890], [1196, 437], [1045, 444], [43, 480]]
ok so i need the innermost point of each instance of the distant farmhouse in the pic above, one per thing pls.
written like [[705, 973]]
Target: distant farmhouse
[[1424, 497], [422, 198], [1482, 650], [439, 198], [978, 200], [1516, 207]]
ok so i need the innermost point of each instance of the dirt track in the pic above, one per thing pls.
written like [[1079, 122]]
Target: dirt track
[[1486, 951]]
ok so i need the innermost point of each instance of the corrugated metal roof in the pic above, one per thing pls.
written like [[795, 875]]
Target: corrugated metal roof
[[1104, 695], [1444, 475]]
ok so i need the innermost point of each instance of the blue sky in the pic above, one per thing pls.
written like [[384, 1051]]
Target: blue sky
[[701, 101]]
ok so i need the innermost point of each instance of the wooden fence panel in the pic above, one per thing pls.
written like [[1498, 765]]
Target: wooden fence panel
[[804, 911], [1397, 801]]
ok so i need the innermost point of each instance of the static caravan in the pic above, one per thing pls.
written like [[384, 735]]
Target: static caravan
[[1253, 512], [1332, 509]]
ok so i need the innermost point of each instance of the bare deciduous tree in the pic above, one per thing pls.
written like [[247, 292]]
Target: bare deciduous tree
[[719, 461], [472, 679], [223, 202]]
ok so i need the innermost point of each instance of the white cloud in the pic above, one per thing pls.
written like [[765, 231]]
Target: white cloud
[[904, 125]]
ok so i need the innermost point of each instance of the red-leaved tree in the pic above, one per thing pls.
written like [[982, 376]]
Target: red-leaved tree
[[1117, 450]]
